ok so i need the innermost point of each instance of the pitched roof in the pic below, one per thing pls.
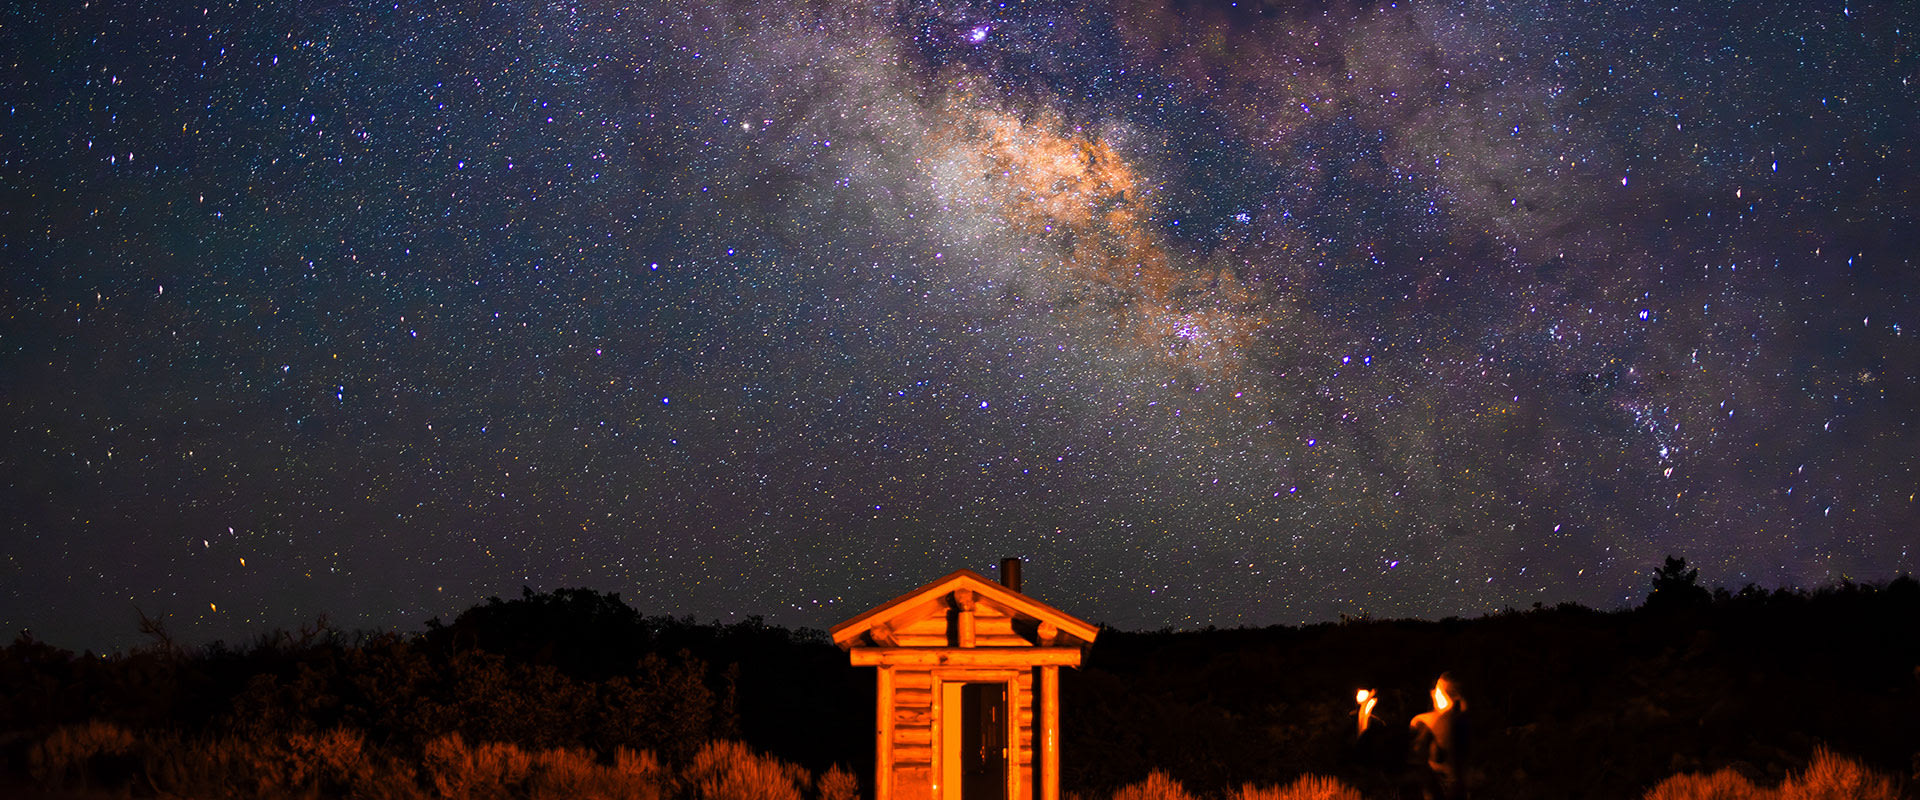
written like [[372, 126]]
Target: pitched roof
[[915, 605]]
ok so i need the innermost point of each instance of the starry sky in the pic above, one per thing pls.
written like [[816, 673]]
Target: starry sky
[[1217, 313]]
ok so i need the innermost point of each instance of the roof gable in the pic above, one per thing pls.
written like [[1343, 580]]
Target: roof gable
[[1034, 622]]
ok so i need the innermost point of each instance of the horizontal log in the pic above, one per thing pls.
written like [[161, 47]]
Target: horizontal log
[[966, 656], [999, 624], [913, 698], [936, 632], [916, 776], [913, 716], [935, 625], [910, 737], [974, 674], [914, 754]]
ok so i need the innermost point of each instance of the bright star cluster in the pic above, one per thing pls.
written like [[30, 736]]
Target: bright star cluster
[[1218, 313]]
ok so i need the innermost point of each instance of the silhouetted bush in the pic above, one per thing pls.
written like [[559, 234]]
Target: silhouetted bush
[[732, 771], [586, 635], [90, 755], [1725, 784], [569, 774], [101, 757], [1307, 787], [1827, 777], [838, 784], [1158, 786]]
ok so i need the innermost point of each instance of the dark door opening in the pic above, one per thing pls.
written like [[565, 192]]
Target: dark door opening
[[983, 741]]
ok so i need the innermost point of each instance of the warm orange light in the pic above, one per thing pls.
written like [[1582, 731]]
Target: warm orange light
[[1440, 699], [1367, 699]]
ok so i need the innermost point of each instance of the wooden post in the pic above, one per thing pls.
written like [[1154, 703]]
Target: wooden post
[[963, 600], [944, 766], [883, 735], [1013, 738], [1049, 701]]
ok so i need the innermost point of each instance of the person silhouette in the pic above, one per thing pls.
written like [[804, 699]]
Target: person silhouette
[[1377, 748], [1367, 699], [1439, 740]]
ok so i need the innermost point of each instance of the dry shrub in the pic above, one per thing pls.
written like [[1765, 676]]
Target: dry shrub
[[489, 770], [339, 763], [332, 763], [1157, 786], [236, 767], [335, 761], [389, 779], [1307, 787], [1827, 777], [336, 753], [640, 774], [444, 761], [1723, 785], [838, 784], [568, 774], [1833, 777], [503, 765], [638, 765], [733, 771], [181, 767], [84, 754]]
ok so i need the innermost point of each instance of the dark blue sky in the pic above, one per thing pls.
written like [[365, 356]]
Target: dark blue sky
[[1217, 313]]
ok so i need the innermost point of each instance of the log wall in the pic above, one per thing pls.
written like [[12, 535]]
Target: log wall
[[915, 727]]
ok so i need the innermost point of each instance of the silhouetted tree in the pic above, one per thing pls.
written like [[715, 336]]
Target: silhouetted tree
[[1675, 586], [585, 634]]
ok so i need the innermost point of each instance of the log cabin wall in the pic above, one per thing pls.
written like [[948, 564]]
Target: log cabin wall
[[916, 732], [912, 734]]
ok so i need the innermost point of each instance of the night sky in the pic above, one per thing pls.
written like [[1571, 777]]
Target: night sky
[[1217, 313]]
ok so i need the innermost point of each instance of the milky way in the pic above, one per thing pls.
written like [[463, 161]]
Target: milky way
[[1218, 313]]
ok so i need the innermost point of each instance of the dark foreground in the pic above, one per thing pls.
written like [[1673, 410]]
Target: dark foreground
[[1560, 702]]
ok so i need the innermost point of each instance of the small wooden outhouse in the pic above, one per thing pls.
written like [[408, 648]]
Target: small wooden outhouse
[[968, 705]]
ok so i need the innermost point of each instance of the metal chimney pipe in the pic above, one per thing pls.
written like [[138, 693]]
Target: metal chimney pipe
[[1010, 573]]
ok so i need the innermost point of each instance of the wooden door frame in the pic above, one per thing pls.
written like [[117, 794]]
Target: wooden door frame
[[1010, 678]]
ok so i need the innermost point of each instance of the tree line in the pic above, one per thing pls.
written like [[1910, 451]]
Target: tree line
[[1563, 701]]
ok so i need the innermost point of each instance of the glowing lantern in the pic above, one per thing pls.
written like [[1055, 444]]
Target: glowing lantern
[[1367, 699]]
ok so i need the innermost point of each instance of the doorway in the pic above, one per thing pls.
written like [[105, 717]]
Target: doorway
[[974, 741]]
